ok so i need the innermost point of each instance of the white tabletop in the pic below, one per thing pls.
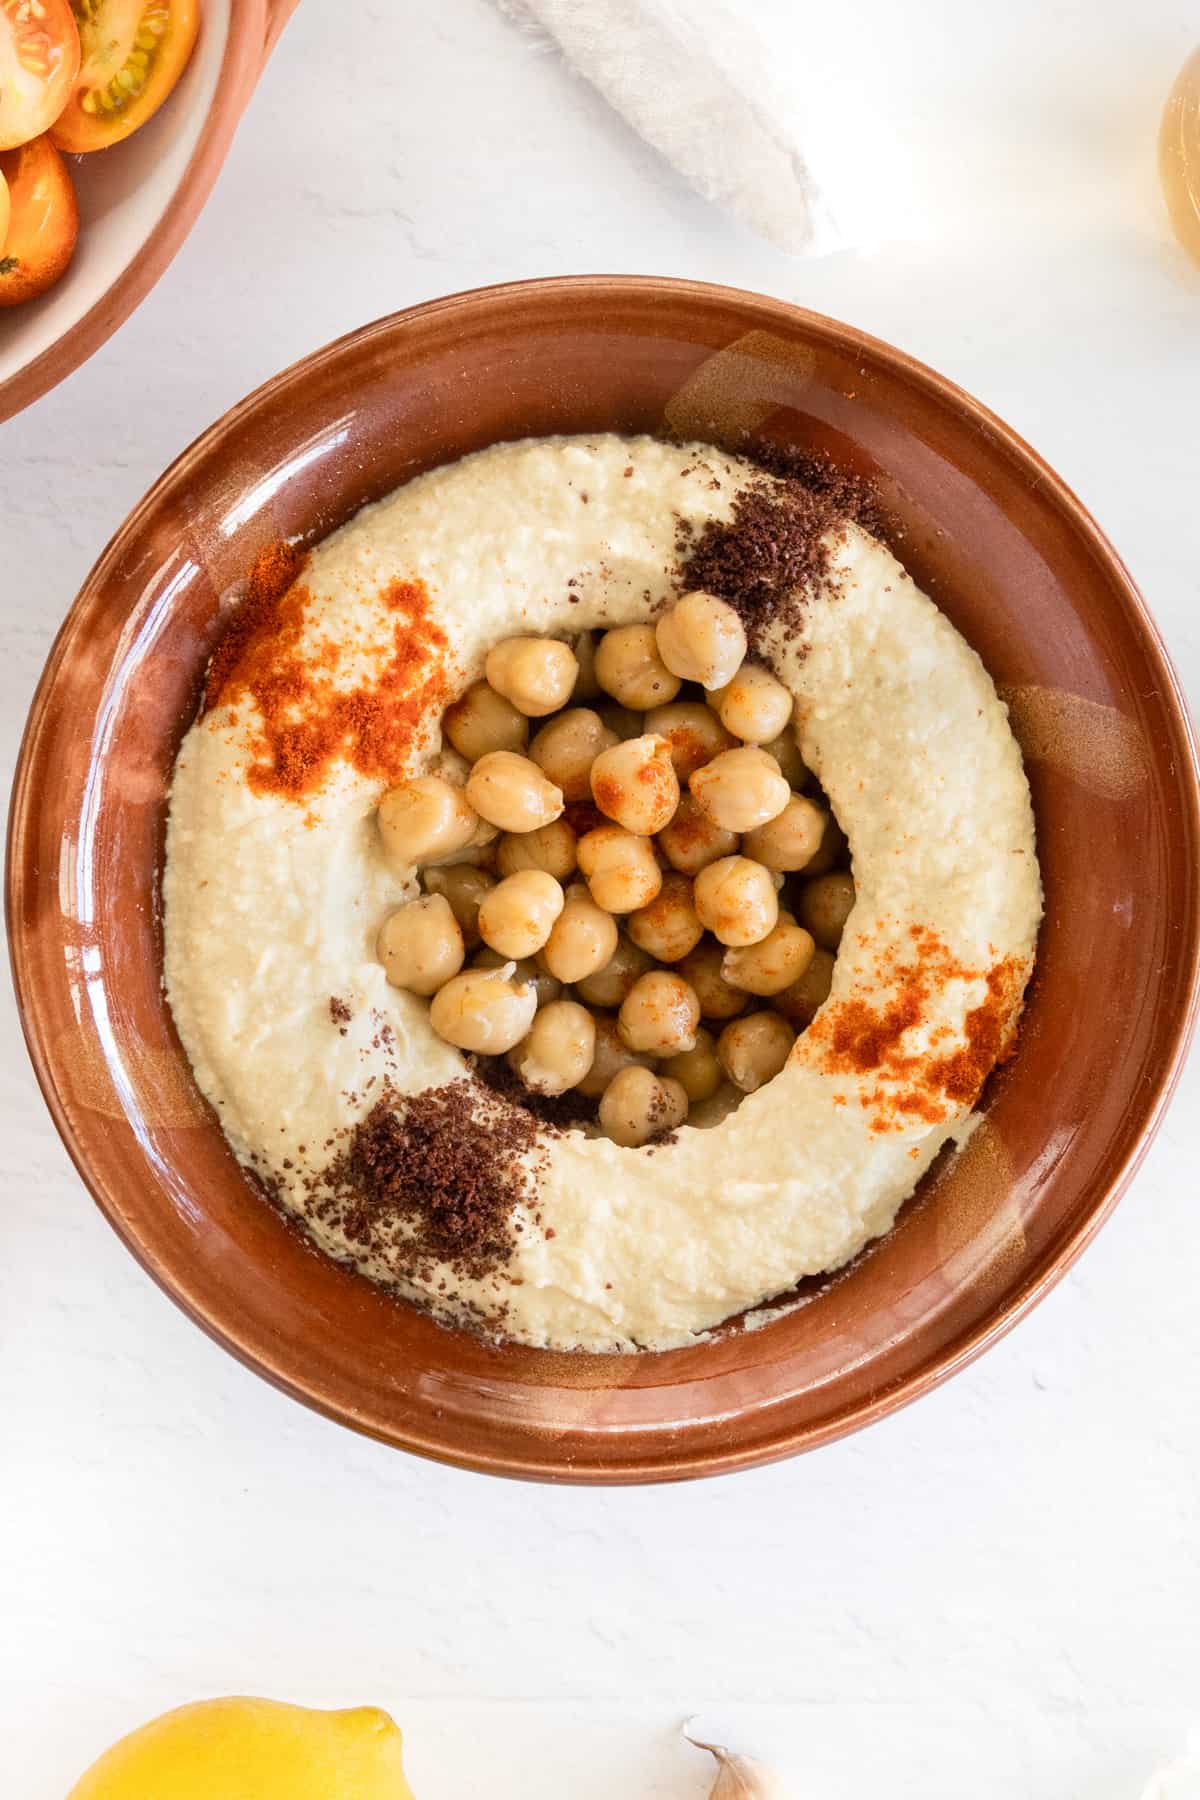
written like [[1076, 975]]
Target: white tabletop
[[994, 1593]]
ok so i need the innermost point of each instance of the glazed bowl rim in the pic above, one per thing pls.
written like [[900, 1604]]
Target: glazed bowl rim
[[1000, 1315]]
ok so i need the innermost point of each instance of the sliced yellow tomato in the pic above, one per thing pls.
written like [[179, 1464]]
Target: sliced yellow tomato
[[39, 59], [43, 221], [132, 54]]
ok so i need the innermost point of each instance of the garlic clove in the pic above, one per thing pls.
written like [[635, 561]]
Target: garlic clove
[[738, 1777]]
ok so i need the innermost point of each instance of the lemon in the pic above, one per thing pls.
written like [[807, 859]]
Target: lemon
[[243, 1749]]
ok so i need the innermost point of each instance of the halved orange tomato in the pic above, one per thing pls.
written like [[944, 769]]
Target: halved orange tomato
[[132, 54], [39, 59], [43, 221]]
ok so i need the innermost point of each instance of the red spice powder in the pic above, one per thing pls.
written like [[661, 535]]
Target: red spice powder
[[991, 1034], [274, 571], [690, 749], [691, 828], [307, 718], [863, 1038], [855, 1037], [608, 793]]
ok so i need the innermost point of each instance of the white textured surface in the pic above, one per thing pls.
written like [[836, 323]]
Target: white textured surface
[[994, 1594]]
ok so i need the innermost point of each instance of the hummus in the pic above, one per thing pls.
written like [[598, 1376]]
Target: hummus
[[272, 904]]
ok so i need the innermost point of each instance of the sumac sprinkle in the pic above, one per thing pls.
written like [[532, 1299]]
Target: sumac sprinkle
[[778, 544], [446, 1167]]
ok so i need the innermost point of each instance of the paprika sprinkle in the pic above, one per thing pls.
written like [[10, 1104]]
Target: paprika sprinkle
[[857, 1037], [272, 656]]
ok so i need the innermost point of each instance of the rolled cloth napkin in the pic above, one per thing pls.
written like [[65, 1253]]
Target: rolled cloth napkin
[[692, 79]]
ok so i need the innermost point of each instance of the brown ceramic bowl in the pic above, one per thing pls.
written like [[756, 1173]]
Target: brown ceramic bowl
[[1012, 558], [138, 201]]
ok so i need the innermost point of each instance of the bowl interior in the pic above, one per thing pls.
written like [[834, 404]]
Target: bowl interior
[[123, 195], [1006, 553]]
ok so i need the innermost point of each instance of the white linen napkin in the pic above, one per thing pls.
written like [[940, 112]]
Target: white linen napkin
[[693, 81]]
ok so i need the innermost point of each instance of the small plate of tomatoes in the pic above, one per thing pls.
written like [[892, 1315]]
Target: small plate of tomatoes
[[115, 116]]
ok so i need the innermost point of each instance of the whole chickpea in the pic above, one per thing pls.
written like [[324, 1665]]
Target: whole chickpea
[[740, 788], [669, 927], [517, 915], [610, 1056], [484, 1010], [424, 819], [635, 784], [692, 840], [551, 847], [659, 1014], [772, 964], [481, 849], [791, 839], [420, 945], [483, 720], [701, 969], [801, 1002], [824, 906], [619, 867], [755, 705], [638, 1106], [693, 731], [753, 1050], [697, 1070], [546, 988], [558, 1050], [629, 667], [702, 639], [463, 887], [582, 941], [511, 792], [610, 984], [536, 674], [832, 850], [566, 747], [717, 1108], [622, 721], [450, 765], [736, 900], [792, 766]]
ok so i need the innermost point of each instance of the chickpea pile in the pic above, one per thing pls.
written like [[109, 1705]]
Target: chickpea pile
[[664, 957]]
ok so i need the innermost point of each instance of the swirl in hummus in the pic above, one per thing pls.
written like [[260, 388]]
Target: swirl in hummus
[[272, 900]]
